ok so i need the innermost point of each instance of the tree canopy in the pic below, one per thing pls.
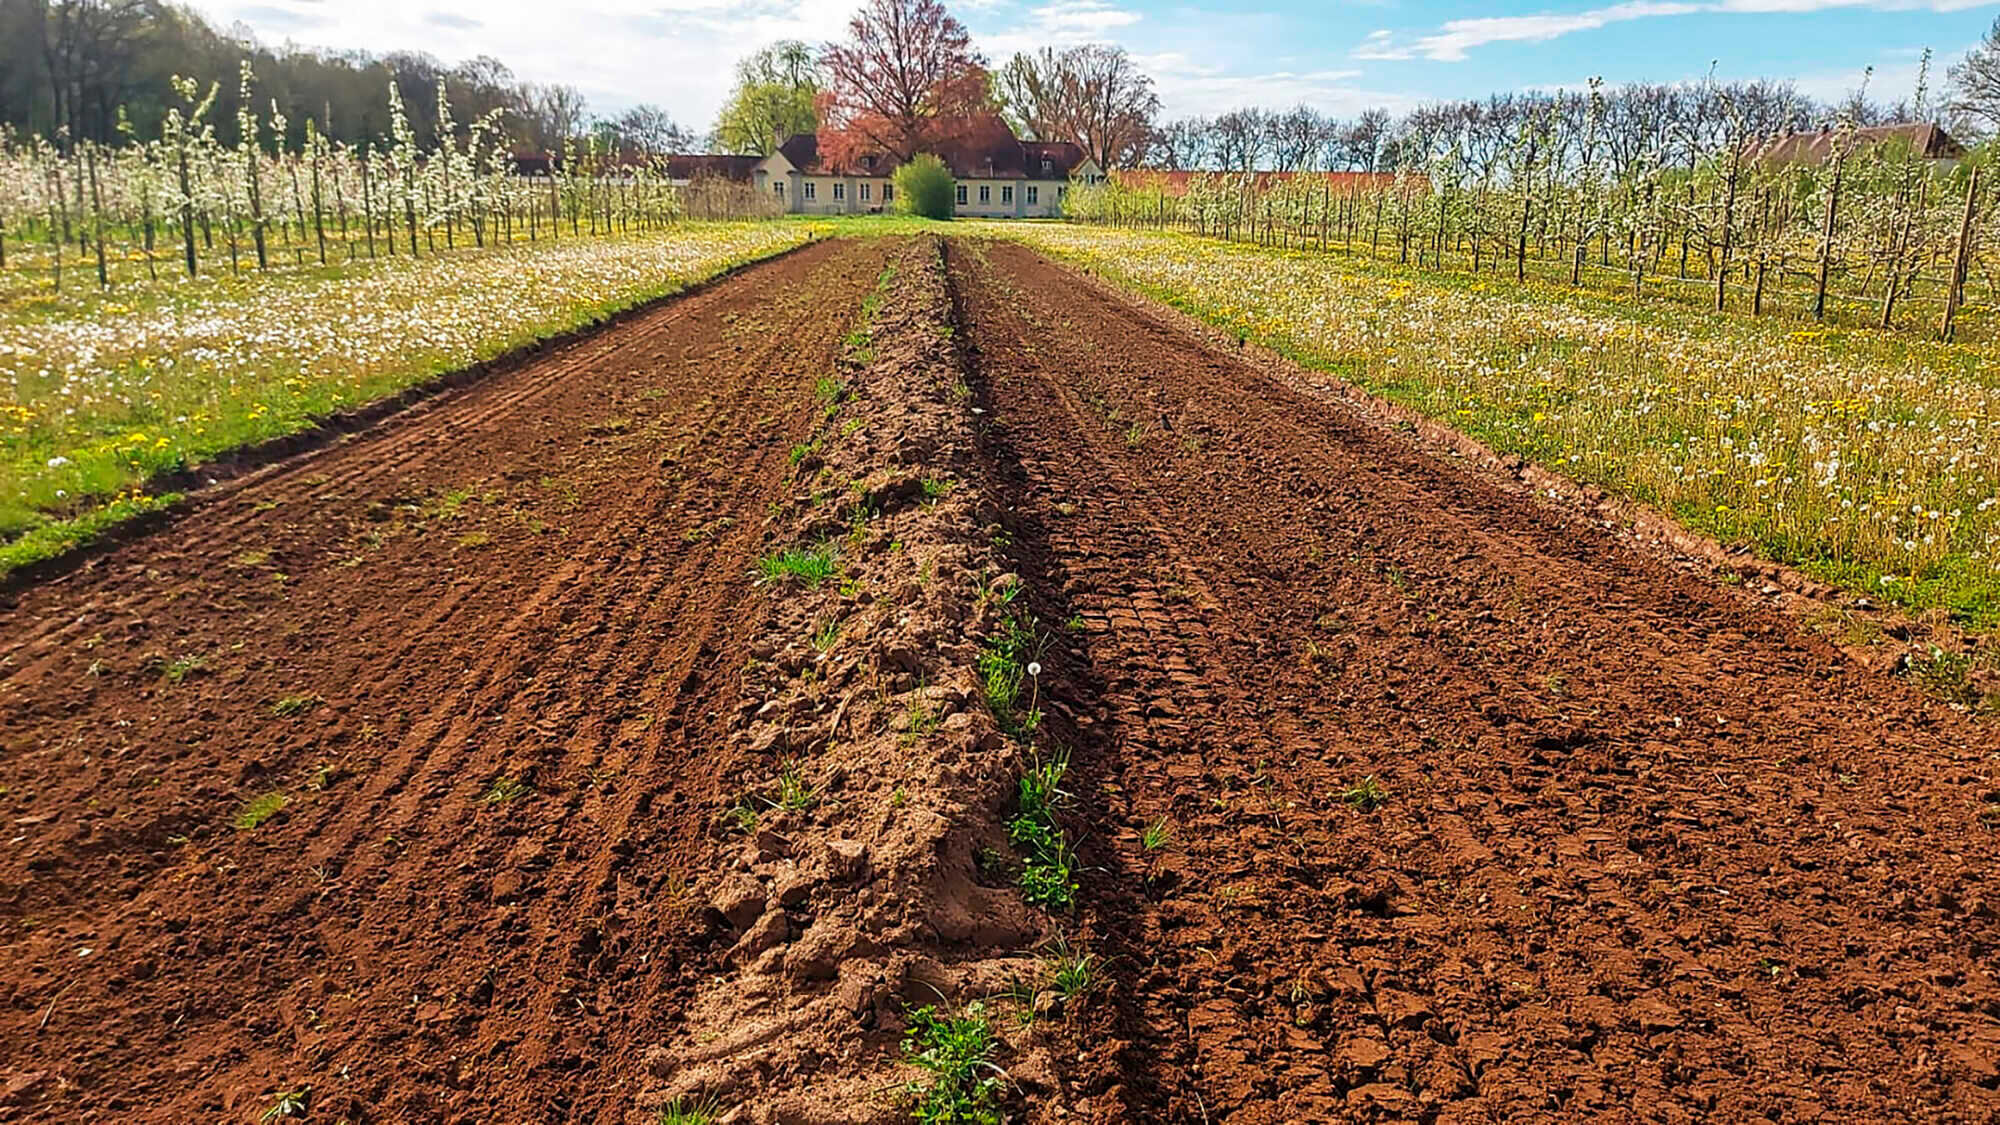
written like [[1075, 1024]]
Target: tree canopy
[[906, 70], [774, 97]]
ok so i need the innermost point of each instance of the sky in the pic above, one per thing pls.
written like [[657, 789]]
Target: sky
[[1339, 56]]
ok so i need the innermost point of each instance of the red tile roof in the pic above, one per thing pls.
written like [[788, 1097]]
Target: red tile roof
[[1176, 183], [1926, 141], [984, 148]]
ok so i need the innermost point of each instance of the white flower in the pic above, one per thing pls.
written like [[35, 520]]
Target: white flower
[[1034, 669], [58, 462]]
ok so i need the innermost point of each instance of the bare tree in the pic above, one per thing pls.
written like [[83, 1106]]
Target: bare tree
[[1973, 83], [1115, 104], [903, 64], [1091, 94], [1296, 140], [554, 113], [648, 130], [1033, 90], [1237, 139], [1182, 145], [1362, 144]]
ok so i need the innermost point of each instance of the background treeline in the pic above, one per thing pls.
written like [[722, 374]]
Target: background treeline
[[1610, 189], [1630, 123], [69, 68]]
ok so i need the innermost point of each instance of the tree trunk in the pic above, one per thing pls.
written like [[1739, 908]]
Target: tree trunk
[[1826, 242], [1964, 257]]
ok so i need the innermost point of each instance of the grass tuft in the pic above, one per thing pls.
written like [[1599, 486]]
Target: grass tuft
[[1048, 869], [260, 809], [793, 792], [964, 1083], [1366, 794], [505, 789], [813, 566], [690, 1111], [292, 706]]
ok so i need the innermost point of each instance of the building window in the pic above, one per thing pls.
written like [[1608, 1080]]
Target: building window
[[961, 195], [1033, 191], [888, 192], [1061, 190], [839, 190], [1006, 193], [811, 188], [778, 187], [985, 193], [864, 192], [1048, 166]]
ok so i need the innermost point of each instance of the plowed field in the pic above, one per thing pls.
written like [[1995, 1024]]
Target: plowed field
[[500, 625], [404, 770]]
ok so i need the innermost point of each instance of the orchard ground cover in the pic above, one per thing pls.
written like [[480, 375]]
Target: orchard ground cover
[[102, 393], [1864, 458]]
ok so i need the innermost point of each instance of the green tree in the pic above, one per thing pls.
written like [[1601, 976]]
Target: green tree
[[776, 89], [923, 187]]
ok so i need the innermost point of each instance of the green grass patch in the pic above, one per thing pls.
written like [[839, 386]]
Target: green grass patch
[[260, 809], [963, 1084], [292, 706], [1048, 868], [809, 566]]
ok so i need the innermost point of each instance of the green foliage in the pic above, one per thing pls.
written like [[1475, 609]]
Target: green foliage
[[773, 99], [1949, 676], [505, 789], [924, 188], [793, 792], [259, 810], [1366, 794], [181, 667], [1003, 669], [812, 566], [1071, 973], [292, 706], [288, 1103], [1048, 872], [965, 1084], [690, 1111]]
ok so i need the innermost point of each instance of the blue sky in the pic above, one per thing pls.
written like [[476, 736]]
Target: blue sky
[[1339, 55]]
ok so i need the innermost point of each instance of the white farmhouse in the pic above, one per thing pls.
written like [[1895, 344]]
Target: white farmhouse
[[999, 175]]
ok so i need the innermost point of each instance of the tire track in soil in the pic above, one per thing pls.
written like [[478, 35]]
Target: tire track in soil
[[1648, 851], [538, 578]]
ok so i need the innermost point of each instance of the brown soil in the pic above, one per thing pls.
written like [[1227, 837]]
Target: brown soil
[[1646, 849], [580, 818], [865, 896], [487, 652]]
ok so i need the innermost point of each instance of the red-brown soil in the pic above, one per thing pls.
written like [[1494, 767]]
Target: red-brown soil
[[1646, 850], [542, 578]]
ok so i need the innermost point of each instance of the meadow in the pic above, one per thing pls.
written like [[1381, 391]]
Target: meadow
[[103, 392], [1863, 457]]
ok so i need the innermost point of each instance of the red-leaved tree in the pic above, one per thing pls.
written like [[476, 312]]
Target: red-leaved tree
[[905, 73]]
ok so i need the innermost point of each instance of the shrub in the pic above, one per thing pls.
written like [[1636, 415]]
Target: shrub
[[924, 187]]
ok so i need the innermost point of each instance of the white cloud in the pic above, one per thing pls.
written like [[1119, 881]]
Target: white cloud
[[676, 53], [1453, 39], [1191, 88], [1450, 42]]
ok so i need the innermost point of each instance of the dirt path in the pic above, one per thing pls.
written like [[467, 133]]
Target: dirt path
[[481, 653], [1645, 850]]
